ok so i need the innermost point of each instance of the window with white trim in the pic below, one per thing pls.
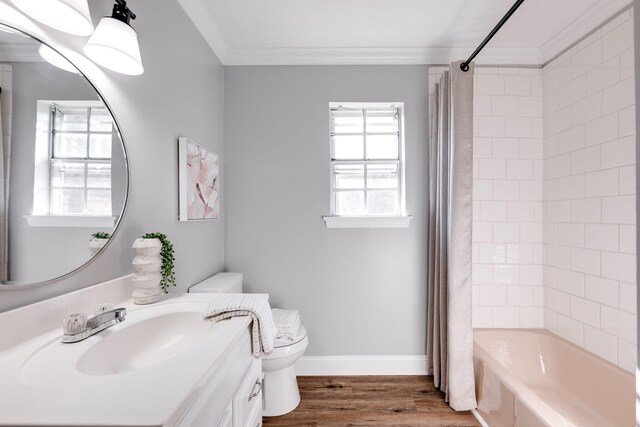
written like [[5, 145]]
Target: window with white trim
[[367, 160], [80, 160]]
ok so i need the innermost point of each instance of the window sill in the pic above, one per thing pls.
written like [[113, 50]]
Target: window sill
[[367, 221], [88, 221]]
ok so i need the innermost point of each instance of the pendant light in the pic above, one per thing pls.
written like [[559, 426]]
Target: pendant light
[[55, 59], [70, 16], [114, 44]]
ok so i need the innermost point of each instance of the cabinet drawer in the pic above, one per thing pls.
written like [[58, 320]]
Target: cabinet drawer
[[247, 403]]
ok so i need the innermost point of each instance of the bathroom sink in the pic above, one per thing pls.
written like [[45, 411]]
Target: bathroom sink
[[148, 337], [144, 343], [152, 367]]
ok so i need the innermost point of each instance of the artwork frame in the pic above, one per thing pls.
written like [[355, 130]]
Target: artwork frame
[[199, 181]]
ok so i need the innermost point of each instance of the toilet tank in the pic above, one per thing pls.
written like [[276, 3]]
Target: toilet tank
[[221, 283]]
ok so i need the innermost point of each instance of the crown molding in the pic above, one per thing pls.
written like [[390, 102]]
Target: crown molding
[[206, 25], [378, 56], [592, 19], [201, 17], [20, 53]]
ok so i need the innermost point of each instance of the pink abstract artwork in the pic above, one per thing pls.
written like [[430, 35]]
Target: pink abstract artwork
[[199, 182]]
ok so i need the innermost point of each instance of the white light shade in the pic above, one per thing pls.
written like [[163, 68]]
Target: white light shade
[[55, 59], [70, 16], [114, 45]]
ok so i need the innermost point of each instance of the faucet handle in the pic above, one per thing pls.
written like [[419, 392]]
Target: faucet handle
[[102, 308], [74, 323]]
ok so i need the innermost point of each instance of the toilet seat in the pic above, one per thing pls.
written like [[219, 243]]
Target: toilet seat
[[302, 332]]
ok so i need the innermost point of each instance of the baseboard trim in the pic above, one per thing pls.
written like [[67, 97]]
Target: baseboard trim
[[361, 365]]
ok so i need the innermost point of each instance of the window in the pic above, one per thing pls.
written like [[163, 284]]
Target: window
[[367, 160], [80, 160]]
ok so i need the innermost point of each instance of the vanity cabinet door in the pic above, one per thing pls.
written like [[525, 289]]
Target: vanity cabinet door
[[227, 419], [247, 403], [214, 406]]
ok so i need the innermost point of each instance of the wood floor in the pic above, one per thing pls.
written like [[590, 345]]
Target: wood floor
[[371, 401]]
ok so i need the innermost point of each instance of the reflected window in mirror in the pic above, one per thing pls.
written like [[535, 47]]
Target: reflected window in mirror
[[80, 167]]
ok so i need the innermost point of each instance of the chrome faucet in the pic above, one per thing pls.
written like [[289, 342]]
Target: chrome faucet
[[77, 327]]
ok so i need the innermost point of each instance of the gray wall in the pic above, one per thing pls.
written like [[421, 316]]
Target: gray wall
[[180, 93], [35, 253], [359, 291]]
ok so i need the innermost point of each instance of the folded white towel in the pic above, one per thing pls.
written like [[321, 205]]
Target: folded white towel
[[287, 322], [254, 305]]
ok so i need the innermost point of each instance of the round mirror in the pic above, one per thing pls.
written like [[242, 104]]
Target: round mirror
[[64, 176]]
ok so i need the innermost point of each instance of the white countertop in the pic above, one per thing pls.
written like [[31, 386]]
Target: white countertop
[[156, 395]]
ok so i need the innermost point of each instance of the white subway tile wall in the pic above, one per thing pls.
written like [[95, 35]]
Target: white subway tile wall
[[508, 166], [589, 194]]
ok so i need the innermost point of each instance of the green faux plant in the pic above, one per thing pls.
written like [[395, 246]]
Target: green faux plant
[[101, 235], [167, 254]]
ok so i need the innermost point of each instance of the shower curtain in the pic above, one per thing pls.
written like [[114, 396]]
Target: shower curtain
[[449, 331], [4, 142]]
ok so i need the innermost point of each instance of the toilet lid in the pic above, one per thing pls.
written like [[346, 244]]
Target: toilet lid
[[302, 332]]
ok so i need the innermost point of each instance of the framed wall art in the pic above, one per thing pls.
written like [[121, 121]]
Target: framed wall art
[[199, 177]]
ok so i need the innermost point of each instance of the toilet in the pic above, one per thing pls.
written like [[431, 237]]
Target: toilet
[[280, 387]]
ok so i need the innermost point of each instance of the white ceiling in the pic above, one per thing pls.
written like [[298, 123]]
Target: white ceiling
[[244, 32], [15, 47]]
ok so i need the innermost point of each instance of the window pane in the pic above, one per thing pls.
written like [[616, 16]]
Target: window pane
[[67, 174], [347, 121], [100, 146], [350, 202], [382, 176], [70, 145], [99, 175], [382, 202], [349, 176], [382, 120], [67, 201], [71, 119], [348, 147], [99, 202], [382, 146], [100, 120]]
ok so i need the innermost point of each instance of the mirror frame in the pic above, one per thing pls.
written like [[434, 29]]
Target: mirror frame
[[86, 264]]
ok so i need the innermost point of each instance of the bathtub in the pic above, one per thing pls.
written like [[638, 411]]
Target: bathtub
[[531, 378]]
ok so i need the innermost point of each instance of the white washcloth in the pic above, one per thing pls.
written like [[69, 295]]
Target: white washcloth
[[287, 322], [254, 305]]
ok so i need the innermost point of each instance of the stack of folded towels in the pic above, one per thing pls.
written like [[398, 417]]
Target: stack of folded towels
[[287, 323]]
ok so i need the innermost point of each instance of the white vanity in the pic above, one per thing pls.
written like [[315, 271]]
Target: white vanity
[[163, 366]]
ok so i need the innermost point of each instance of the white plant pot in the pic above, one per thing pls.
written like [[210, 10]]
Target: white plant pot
[[96, 245], [147, 266], [143, 264], [147, 247], [146, 281]]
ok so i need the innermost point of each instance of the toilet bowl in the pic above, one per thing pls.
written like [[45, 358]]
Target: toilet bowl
[[280, 394], [280, 387]]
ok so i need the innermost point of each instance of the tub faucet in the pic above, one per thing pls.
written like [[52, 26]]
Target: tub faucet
[[77, 327]]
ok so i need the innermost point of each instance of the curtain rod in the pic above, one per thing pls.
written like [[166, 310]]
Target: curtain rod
[[465, 65]]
